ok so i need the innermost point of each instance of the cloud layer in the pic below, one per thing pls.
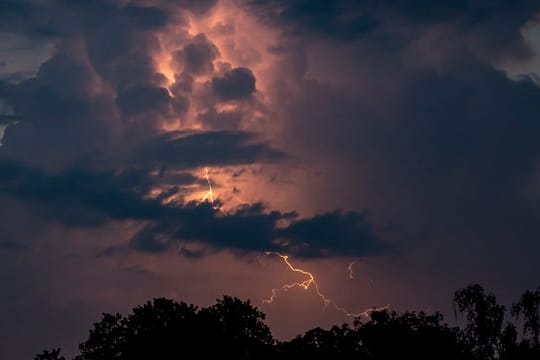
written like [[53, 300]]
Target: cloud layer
[[389, 131]]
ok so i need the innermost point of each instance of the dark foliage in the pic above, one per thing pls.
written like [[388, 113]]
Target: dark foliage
[[484, 320], [235, 329], [54, 354]]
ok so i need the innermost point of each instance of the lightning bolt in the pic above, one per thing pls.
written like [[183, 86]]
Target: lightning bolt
[[311, 282], [351, 272], [210, 193], [4, 126], [2, 131]]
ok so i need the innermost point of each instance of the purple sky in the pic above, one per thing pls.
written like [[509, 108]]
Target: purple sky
[[401, 135]]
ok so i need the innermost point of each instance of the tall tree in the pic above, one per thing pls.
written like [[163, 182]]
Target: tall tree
[[528, 307], [237, 329], [484, 320]]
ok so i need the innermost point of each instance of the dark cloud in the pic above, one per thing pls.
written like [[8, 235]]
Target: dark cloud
[[345, 20], [393, 106], [60, 90], [249, 228], [449, 137], [141, 99], [60, 114], [252, 228], [101, 80], [221, 120], [121, 50], [198, 7], [183, 84], [152, 239], [333, 233], [236, 83], [118, 37], [493, 27], [13, 14], [61, 19], [145, 17], [141, 15], [80, 198], [10, 245], [79, 195], [197, 56], [189, 149], [416, 120], [445, 145]]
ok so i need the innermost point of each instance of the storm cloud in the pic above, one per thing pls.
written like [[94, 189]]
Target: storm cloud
[[403, 133], [234, 84], [77, 197]]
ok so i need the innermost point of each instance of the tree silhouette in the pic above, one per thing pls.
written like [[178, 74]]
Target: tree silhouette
[[509, 348], [54, 354], [237, 330], [389, 335], [484, 320], [164, 329], [108, 339], [336, 343], [528, 306], [159, 329]]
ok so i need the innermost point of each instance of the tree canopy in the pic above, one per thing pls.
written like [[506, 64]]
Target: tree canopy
[[232, 328]]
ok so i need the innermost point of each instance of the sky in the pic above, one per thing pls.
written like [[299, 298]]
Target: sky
[[169, 148]]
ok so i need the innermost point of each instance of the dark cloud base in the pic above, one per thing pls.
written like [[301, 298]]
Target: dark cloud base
[[81, 198]]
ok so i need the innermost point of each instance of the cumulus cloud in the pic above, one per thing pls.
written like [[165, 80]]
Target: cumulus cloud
[[402, 108], [140, 99], [196, 57], [236, 83], [104, 90]]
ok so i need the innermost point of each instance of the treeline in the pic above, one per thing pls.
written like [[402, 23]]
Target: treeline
[[235, 329]]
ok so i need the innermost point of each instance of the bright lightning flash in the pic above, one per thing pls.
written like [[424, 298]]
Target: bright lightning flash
[[306, 284], [210, 193], [309, 282]]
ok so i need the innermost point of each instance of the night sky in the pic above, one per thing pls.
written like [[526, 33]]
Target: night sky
[[167, 148]]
